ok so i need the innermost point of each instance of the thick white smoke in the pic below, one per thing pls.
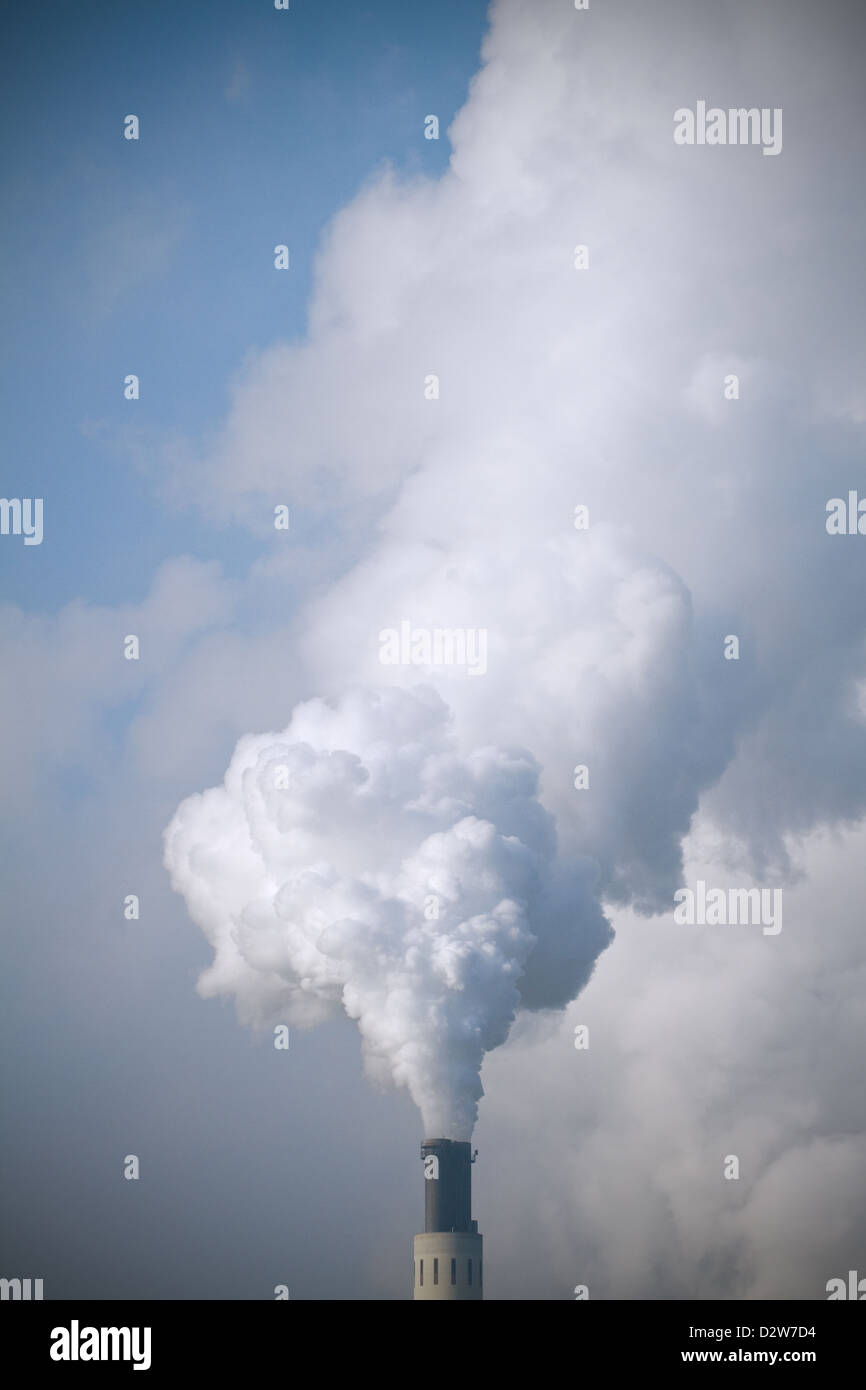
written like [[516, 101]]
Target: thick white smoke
[[357, 861], [558, 387]]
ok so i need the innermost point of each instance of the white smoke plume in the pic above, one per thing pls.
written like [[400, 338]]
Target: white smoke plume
[[559, 387], [357, 861]]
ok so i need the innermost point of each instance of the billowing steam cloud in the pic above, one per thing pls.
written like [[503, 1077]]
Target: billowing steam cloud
[[358, 861], [557, 387]]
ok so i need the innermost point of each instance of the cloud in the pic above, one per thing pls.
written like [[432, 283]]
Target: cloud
[[604, 387], [357, 861], [70, 676], [703, 1042]]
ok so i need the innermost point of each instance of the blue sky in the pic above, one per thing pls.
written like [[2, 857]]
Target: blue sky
[[156, 256]]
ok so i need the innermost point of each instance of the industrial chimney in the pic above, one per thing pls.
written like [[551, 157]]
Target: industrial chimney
[[448, 1254]]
